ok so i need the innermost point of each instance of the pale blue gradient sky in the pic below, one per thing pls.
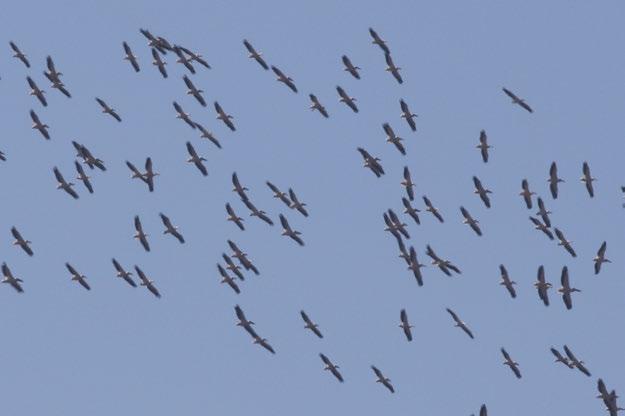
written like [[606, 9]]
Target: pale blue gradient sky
[[118, 350]]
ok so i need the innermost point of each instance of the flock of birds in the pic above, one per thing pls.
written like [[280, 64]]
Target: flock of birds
[[232, 274]]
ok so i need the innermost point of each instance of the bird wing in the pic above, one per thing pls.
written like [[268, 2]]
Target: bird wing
[[249, 47], [510, 94], [191, 150], [285, 223], [166, 221], [6, 271], [58, 175], [601, 251], [188, 82], [279, 73], [71, 269]]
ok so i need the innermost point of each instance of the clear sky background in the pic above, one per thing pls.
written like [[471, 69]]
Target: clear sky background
[[119, 350]]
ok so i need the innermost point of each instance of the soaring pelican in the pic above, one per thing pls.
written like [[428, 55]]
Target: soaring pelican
[[517, 100], [349, 67]]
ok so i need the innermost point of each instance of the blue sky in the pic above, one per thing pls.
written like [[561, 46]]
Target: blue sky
[[116, 349]]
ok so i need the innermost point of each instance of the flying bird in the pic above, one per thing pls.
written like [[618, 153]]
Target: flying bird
[[311, 325], [277, 193], [159, 63], [506, 282], [19, 55], [481, 191], [196, 160], [543, 212], [207, 135], [263, 343], [408, 184], [514, 366], [232, 267], [392, 138], [575, 362], [193, 56], [244, 322], [316, 105], [149, 174], [600, 258], [255, 212], [288, 81], [331, 367], [108, 110], [445, 265], [238, 188], [468, 219], [391, 227], [183, 116], [296, 204], [3, 157], [159, 43], [226, 118], [410, 210], [82, 176], [484, 146], [377, 40], [349, 67], [588, 179], [414, 265], [431, 208], [560, 358], [54, 77], [405, 325], [20, 241], [57, 84], [170, 228], [526, 193], [62, 184], [88, 157], [397, 224], [517, 100], [372, 163], [289, 232], [460, 324], [225, 278], [554, 180], [80, 278], [232, 216], [182, 59], [140, 235], [36, 91], [123, 274], [564, 242], [257, 56], [381, 379], [408, 115], [10, 279], [53, 74], [392, 68], [38, 125], [609, 399], [145, 281], [566, 288], [542, 286], [130, 57], [349, 101], [192, 90], [242, 257], [135, 172]]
